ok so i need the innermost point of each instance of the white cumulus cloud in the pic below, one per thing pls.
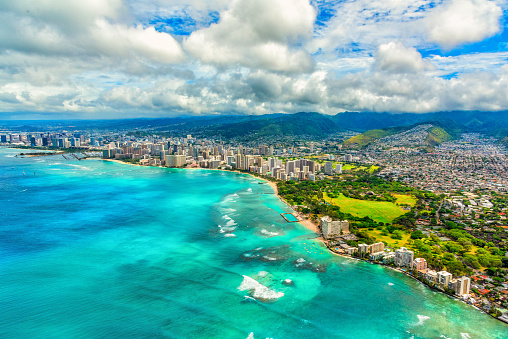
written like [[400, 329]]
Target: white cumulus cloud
[[395, 57], [463, 21], [257, 34]]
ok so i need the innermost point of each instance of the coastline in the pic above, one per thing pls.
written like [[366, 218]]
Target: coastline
[[313, 227], [310, 225]]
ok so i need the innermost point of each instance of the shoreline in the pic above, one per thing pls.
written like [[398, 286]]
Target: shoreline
[[310, 225], [307, 223]]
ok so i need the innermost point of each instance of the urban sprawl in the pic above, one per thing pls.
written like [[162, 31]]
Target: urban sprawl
[[449, 227]]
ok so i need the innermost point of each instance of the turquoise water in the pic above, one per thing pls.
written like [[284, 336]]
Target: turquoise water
[[94, 249], [290, 217]]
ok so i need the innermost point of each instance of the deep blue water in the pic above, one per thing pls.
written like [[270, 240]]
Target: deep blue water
[[94, 249]]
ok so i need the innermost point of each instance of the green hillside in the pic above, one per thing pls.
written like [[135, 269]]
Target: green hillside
[[290, 124], [362, 140], [437, 135]]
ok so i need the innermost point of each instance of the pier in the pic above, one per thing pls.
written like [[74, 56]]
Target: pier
[[284, 215]]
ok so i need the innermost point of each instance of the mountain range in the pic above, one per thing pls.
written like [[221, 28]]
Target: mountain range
[[303, 123]]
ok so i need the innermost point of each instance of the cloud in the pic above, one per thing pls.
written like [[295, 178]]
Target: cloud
[[463, 21], [77, 28], [257, 34], [170, 57], [396, 58], [120, 40]]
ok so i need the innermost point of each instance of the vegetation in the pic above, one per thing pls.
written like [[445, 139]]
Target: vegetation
[[437, 135], [366, 138], [381, 211]]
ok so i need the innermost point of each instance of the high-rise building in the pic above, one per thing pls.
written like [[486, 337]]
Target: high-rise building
[[175, 160], [461, 285], [3, 138], [377, 247], [338, 169], [444, 277], [404, 257], [272, 163], [290, 166], [331, 228], [328, 168], [420, 264]]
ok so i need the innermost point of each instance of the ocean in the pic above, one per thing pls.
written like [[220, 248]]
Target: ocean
[[96, 249]]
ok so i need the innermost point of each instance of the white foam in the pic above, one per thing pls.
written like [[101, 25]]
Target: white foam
[[80, 167], [269, 258], [268, 233], [230, 235], [391, 284], [230, 223], [262, 273], [251, 335], [257, 290], [300, 260], [422, 319], [249, 190], [235, 195], [465, 336]]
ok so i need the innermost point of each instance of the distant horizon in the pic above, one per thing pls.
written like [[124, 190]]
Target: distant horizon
[[113, 59], [52, 118]]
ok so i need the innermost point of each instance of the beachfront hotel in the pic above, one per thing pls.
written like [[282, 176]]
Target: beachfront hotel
[[331, 228]]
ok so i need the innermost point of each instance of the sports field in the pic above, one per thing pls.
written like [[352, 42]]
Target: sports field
[[381, 211]]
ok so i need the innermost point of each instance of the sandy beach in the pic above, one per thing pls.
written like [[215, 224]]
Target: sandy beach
[[304, 221]]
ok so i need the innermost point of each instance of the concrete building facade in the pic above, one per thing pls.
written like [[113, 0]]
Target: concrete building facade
[[331, 228]]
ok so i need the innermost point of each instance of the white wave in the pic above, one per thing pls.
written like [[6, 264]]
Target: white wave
[[258, 291], [251, 335], [235, 195], [300, 260], [80, 167], [230, 235], [262, 273], [465, 336], [227, 229], [422, 319], [249, 190], [226, 217], [268, 233], [231, 222], [391, 284], [269, 258]]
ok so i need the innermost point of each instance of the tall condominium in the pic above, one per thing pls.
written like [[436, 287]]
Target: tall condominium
[[404, 257]]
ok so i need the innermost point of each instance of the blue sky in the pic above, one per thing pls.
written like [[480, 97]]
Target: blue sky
[[126, 58]]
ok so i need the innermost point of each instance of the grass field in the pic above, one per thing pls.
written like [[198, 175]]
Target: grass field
[[389, 241], [381, 211], [405, 199]]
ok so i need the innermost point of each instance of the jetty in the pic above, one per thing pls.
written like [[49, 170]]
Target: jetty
[[292, 217]]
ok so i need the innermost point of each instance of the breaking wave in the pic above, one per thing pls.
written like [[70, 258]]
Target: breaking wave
[[422, 319], [259, 291]]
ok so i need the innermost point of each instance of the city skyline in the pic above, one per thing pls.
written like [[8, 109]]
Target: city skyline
[[121, 59]]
